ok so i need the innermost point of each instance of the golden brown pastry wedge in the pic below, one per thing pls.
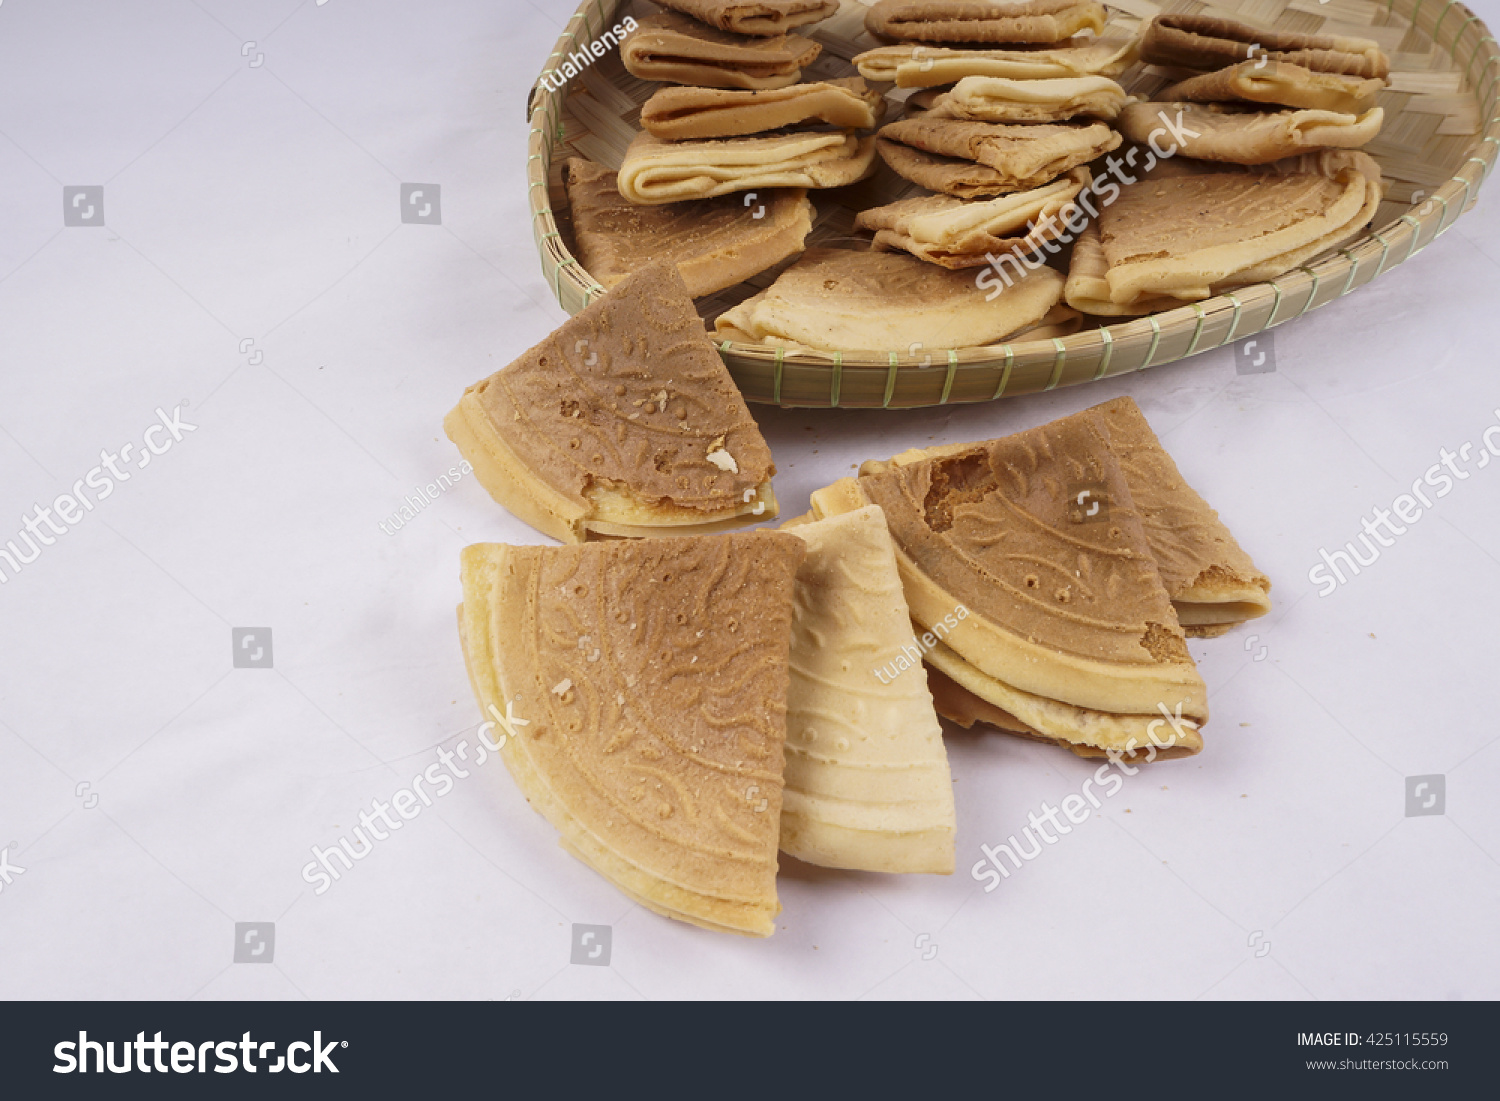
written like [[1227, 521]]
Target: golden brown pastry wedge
[[686, 114], [956, 233], [624, 422], [715, 243], [1243, 134], [923, 66], [1208, 42], [836, 299], [670, 46], [638, 690], [1001, 21], [1280, 83], [867, 782], [982, 159], [1071, 629]]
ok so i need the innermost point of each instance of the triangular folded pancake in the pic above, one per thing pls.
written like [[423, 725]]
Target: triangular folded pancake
[[623, 422], [1209, 42], [1281, 83], [639, 688], [1240, 134], [983, 159], [983, 20], [931, 66], [1001, 99], [1087, 287], [955, 233], [669, 46], [836, 299], [680, 114], [867, 782], [715, 243], [759, 17], [1070, 628], [1182, 235], [657, 171], [1211, 580]]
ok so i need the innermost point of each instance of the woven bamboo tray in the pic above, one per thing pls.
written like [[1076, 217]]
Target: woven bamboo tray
[[1438, 144]]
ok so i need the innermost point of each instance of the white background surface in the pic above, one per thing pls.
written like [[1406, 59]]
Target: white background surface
[[261, 202]]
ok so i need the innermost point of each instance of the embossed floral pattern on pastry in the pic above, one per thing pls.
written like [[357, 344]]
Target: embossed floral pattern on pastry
[[650, 679], [670, 46], [622, 422], [983, 20], [1208, 42], [920, 66], [760, 17]]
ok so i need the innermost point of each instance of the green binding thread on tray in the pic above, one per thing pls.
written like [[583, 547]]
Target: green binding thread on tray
[[1416, 229], [776, 377], [1276, 305], [557, 277], [1314, 292], [1385, 248], [1459, 179], [1436, 26], [1197, 331], [1109, 350], [837, 384], [1234, 322], [948, 381], [1010, 362], [890, 383], [1155, 339], [1353, 271], [1057, 364], [1441, 221], [1474, 56]]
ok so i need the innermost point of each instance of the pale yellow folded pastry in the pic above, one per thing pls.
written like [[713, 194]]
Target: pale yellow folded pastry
[[1184, 236], [837, 300], [656, 171], [678, 114], [1240, 134], [982, 159], [715, 243], [758, 17], [1001, 99], [920, 66], [957, 233], [1087, 287], [623, 422], [670, 46], [1071, 629], [1208, 42], [1281, 83], [637, 689], [1003, 21], [867, 782]]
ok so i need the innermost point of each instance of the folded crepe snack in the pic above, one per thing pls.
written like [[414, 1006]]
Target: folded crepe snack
[[1240, 134], [1070, 630], [975, 160], [1212, 582], [1188, 236], [834, 299], [715, 243], [671, 47], [624, 422], [1001, 99], [867, 783], [678, 114], [657, 171], [956, 233], [1208, 42], [931, 66], [1087, 287], [983, 20], [1280, 83], [638, 690], [758, 17]]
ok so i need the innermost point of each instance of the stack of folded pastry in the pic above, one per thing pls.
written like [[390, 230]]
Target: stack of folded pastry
[[737, 119], [1015, 101], [1263, 131], [681, 708]]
